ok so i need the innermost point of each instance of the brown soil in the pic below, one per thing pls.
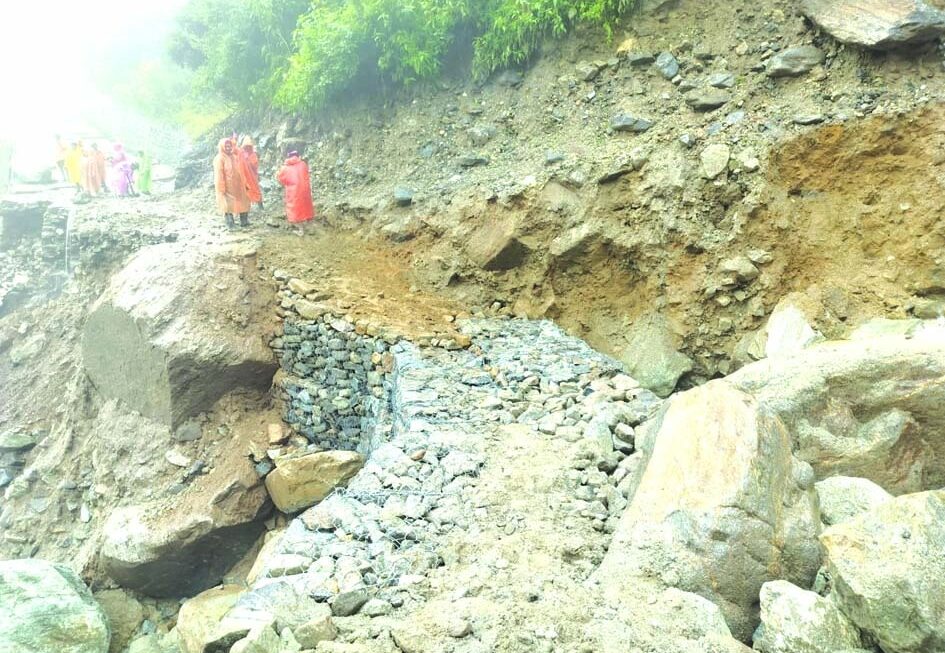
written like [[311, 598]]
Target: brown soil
[[364, 278]]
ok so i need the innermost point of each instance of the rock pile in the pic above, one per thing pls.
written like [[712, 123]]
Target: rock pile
[[332, 381]]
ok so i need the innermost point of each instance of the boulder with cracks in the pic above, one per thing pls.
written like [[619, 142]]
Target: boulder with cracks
[[170, 334]]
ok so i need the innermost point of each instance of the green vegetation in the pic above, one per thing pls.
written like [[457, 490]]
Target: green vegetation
[[298, 54]]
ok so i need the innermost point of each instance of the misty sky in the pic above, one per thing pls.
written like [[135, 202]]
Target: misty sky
[[48, 49]]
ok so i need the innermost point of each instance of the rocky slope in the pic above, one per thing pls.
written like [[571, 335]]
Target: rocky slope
[[758, 136], [370, 439]]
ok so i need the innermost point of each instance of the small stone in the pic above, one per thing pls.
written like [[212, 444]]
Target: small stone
[[707, 99], [188, 432], [587, 71], [639, 59], [624, 122], [403, 196], [12, 442], [300, 287], [667, 65], [176, 458], [473, 160], [715, 160], [740, 266], [809, 119], [794, 61], [349, 603], [722, 80], [376, 608], [459, 628]]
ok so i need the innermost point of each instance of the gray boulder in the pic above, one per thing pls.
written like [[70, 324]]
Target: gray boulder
[[718, 530], [794, 61], [46, 608], [652, 355], [168, 337], [843, 498], [876, 24], [797, 621], [888, 569], [180, 550]]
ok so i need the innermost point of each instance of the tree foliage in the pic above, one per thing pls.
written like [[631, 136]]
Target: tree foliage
[[298, 54]]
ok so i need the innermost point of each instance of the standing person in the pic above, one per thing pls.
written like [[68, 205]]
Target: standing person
[[121, 172], [250, 161], [92, 173], [61, 151], [299, 208], [73, 165], [230, 184], [144, 172], [100, 165]]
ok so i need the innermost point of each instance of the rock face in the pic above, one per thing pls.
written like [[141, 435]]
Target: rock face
[[887, 569], [46, 608], [174, 321], [877, 24], [652, 356], [720, 531], [183, 549], [797, 621], [496, 247], [298, 483]]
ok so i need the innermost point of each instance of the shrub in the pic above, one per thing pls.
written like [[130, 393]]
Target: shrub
[[301, 53]]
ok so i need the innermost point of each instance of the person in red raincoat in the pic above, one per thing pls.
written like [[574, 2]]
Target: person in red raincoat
[[250, 162], [298, 191], [230, 184]]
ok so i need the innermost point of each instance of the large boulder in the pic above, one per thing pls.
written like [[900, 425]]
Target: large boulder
[[652, 354], [199, 618], [888, 570], [718, 530], [650, 619], [170, 335], [181, 549], [46, 608], [300, 482], [871, 408], [797, 621], [877, 24], [843, 498]]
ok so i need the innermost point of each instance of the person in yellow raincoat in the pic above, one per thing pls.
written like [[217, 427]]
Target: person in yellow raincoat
[[230, 183], [74, 165]]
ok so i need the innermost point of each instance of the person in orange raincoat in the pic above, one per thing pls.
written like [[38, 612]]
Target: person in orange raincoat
[[230, 184], [250, 161], [299, 208], [93, 170]]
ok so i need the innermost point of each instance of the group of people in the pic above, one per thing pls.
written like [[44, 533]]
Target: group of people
[[94, 173], [236, 179]]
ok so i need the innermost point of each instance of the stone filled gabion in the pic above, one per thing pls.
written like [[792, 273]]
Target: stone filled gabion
[[333, 383]]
